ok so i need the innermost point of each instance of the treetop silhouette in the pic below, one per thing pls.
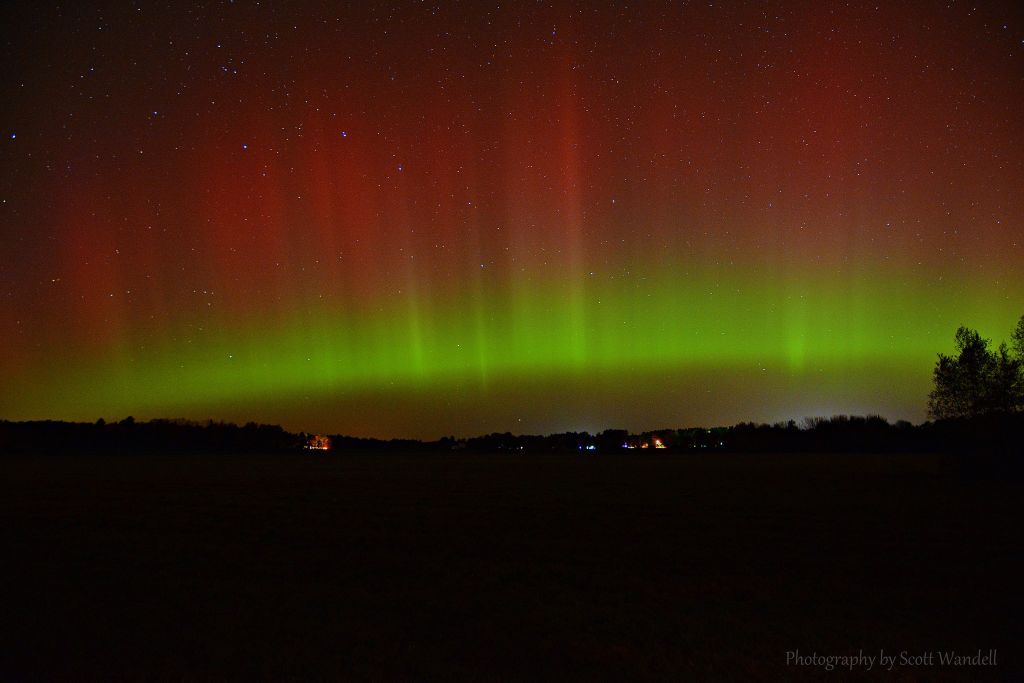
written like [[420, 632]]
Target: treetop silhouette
[[977, 380]]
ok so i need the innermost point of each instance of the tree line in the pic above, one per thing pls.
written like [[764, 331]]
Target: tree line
[[994, 432]]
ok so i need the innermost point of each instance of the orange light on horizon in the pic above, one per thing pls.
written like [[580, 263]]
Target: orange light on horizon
[[318, 443]]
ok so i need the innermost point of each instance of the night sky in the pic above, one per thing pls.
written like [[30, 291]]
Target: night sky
[[420, 219]]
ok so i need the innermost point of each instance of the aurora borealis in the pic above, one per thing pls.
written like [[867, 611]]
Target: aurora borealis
[[419, 219]]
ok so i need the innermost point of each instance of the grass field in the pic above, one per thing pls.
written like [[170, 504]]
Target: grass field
[[478, 567]]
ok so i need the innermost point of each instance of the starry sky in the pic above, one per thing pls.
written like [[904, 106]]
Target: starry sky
[[417, 219]]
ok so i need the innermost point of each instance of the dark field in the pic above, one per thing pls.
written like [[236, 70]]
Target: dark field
[[494, 567]]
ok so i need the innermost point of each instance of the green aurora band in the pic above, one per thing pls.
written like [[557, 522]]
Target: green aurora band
[[868, 333]]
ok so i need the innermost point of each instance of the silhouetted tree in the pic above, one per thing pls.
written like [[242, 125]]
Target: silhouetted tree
[[962, 381], [1007, 384], [977, 380], [1017, 339]]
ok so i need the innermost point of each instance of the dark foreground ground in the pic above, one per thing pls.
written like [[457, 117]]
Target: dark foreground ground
[[501, 568]]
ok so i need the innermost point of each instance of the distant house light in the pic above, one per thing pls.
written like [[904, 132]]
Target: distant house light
[[318, 443]]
